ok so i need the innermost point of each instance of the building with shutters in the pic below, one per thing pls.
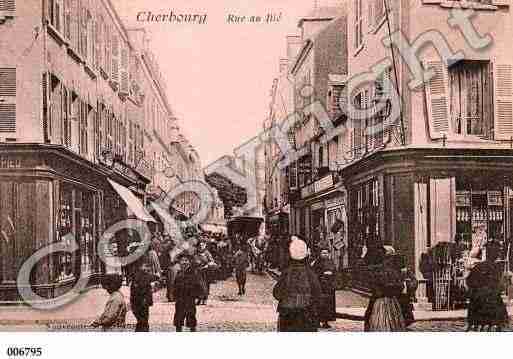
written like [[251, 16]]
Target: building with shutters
[[445, 173], [86, 137], [314, 75]]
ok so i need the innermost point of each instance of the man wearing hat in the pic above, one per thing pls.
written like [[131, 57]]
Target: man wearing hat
[[298, 292]]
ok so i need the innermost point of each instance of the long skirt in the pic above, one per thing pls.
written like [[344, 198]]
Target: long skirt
[[384, 316], [327, 310], [487, 309]]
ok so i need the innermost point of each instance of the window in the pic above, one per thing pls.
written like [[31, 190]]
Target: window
[[358, 26], [463, 99], [470, 98], [83, 127], [366, 217], [7, 5], [17, 226], [7, 100], [64, 117]]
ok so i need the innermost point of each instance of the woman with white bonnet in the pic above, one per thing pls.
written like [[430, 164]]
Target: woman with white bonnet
[[298, 292]]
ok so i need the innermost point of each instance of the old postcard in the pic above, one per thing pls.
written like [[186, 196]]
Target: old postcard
[[255, 166]]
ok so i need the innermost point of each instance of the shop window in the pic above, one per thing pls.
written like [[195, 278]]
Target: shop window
[[470, 98], [63, 262], [366, 218]]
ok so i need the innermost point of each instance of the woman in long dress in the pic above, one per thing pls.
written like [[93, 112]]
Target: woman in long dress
[[486, 308], [384, 313], [326, 271]]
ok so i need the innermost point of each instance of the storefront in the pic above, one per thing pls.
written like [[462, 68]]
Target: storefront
[[48, 193], [323, 215], [413, 199], [277, 223]]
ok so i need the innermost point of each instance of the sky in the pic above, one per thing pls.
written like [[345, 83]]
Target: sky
[[219, 75]]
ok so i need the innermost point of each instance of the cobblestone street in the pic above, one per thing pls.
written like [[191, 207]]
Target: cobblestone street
[[225, 312]]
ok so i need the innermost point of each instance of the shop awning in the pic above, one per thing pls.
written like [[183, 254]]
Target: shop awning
[[132, 202]]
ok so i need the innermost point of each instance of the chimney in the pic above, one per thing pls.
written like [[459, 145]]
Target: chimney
[[294, 44], [284, 66]]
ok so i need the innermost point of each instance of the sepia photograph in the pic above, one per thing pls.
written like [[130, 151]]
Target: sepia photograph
[[255, 166]]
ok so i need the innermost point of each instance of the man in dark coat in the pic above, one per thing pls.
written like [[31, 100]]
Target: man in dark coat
[[326, 271], [298, 293], [141, 294], [241, 262], [187, 289]]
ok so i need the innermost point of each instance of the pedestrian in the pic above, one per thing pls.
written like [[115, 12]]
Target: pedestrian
[[486, 308], [205, 263], [154, 261], [141, 294], [407, 296], [187, 289], [114, 315], [383, 312], [298, 292], [241, 263], [167, 266], [325, 269]]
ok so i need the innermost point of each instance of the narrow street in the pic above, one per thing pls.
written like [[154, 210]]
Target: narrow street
[[225, 312]]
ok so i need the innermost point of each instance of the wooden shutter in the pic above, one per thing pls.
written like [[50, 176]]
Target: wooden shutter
[[47, 124], [67, 19], [124, 85], [437, 96], [74, 24], [503, 101], [7, 100], [7, 6], [114, 59]]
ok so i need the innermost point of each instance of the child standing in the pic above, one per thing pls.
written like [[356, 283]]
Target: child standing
[[114, 315], [187, 289]]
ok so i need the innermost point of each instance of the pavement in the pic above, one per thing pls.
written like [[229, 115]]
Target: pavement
[[225, 311]]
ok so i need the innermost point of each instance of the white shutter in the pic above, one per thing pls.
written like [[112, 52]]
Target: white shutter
[[503, 101], [437, 96]]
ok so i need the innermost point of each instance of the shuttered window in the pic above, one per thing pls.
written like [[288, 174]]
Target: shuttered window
[[83, 127], [124, 69], [7, 5], [7, 100], [114, 59], [470, 98], [503, 100], [437, 91], [358, 30]]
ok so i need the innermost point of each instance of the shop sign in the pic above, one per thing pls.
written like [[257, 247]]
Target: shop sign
[[317, 206], [9, 162], [324, 183], [122, 168], [336, 201], [307, 191]]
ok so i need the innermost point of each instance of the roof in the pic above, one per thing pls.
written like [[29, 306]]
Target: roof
[[322, 13]]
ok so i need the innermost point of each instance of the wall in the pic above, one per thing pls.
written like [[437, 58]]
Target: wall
[[25, 54]]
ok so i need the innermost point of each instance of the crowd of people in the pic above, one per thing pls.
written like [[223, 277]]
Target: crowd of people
[[305, 290]]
